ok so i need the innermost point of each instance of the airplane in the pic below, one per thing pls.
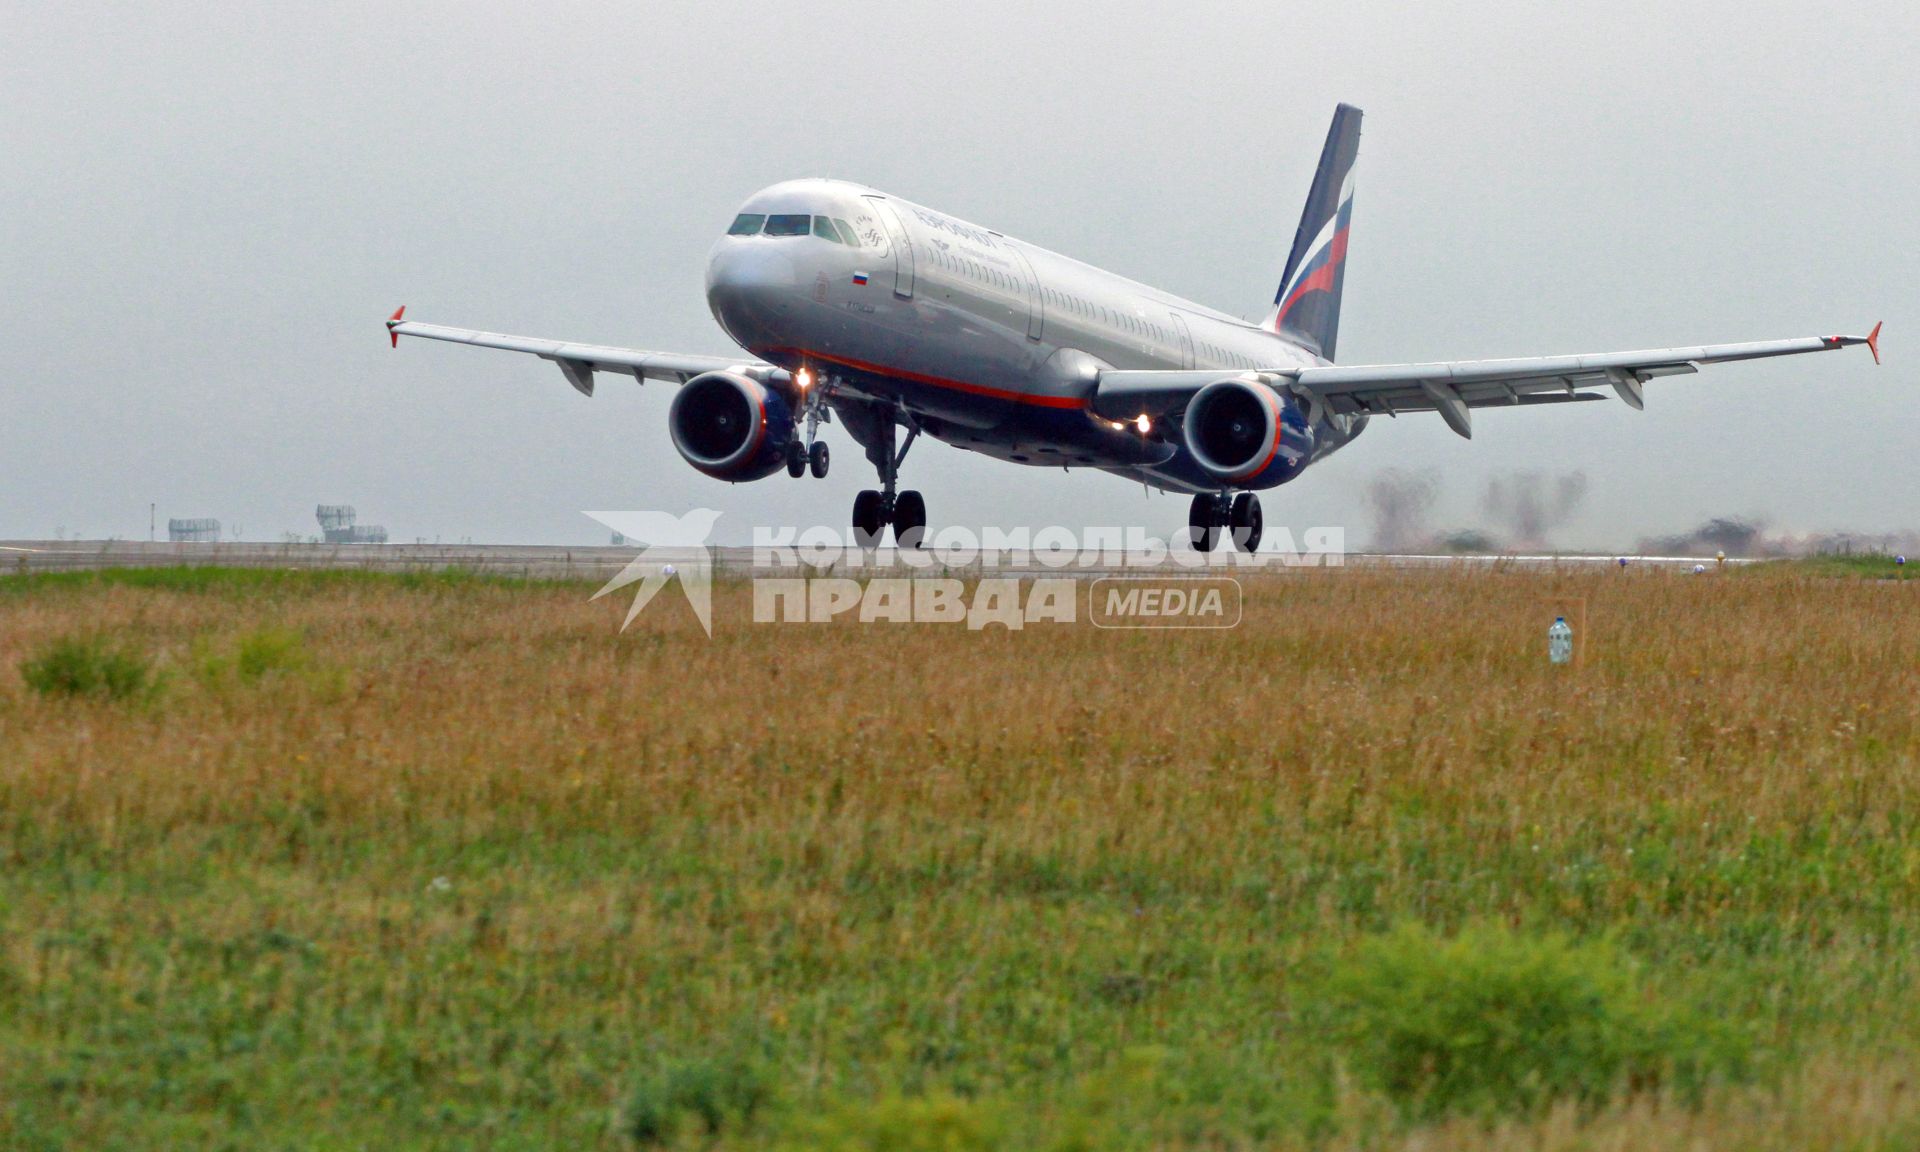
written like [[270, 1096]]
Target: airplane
[[860, 307]]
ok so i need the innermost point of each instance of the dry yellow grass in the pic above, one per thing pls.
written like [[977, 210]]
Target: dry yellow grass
[[902, 859]]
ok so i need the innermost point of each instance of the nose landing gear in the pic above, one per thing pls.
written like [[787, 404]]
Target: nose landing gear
[[810, 454], [1237, 516]]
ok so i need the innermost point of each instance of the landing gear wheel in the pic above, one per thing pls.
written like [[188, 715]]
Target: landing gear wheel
[[796, 459], [817, 459], [869, 519], [909, 519], [1203, 522], [1246, 522]]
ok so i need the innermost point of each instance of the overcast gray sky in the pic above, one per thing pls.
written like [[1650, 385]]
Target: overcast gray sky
[[206, 213]]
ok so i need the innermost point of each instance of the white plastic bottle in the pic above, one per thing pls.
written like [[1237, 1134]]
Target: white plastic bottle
[[1560, 641]]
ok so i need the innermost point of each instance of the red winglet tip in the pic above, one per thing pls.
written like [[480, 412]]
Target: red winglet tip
[[1873, 341], [391, 321]]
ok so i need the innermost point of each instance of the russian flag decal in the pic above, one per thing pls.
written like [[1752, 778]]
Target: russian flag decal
[[859, 277]]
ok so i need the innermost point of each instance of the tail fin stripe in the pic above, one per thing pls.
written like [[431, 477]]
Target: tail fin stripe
[[1316, 275], [1336, 224]]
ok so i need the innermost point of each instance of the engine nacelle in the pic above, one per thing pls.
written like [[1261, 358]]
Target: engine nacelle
[[1247, 435], [730, 426]]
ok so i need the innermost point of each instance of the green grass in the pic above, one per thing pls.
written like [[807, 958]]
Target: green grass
[[255, 656], [462, 865], [245, 581], [709, 1097], [89, 666], [1494, 1021], [1871, 566]]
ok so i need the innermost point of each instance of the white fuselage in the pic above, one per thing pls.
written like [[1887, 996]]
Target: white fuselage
[[990, 343]]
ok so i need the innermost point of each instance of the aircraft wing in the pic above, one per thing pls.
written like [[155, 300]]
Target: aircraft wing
[[578, 362], [1453, 387]]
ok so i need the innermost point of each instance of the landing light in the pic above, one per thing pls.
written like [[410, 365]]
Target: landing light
[[1116, 425], [1145, 425], [804, 379]]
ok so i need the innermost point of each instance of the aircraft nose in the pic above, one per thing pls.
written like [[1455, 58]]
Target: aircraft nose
[[749, 281]]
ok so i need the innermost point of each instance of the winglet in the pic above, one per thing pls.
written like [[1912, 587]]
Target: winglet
[[1873, 340], [393, 322]]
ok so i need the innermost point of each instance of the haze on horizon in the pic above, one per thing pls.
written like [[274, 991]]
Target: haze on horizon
[[206, 213]]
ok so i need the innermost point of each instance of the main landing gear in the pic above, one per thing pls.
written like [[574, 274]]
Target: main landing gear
[[873, 511], [1216, 513]]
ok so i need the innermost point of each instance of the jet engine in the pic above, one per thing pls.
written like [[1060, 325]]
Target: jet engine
[[1247, 435], [730, 426]]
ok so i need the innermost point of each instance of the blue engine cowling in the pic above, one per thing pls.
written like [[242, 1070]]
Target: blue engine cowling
[[730, 426], [1247, 435]]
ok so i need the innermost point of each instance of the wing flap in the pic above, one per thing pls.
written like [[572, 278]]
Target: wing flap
[[1417, 400], [1450, 387], [1335, 380]]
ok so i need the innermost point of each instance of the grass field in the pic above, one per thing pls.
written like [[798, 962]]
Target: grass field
[[336, 861]]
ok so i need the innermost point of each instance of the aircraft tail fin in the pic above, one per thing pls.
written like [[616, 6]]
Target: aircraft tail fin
[[1306, 309]]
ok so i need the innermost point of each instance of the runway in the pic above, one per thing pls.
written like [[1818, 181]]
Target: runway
[[557, 562]]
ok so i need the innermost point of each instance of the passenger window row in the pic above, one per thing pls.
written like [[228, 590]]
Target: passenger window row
[[1068, 302], [1142, 327], [1234, 359], [1109, 316], [826, 228], [1229, 359], [978, 271]]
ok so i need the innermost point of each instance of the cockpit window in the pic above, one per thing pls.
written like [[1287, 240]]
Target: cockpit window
[[847, 233], [823, 228], [786, 225], [747, 224]]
